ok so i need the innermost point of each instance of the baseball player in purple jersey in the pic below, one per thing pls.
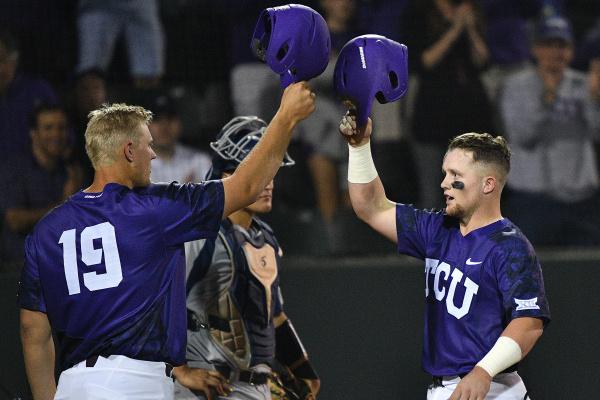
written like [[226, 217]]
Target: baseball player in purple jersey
[[484, 291], [105, 271]]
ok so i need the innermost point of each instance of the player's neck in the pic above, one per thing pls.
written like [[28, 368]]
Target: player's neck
[[242, 218], [106, 175], [481, 217]]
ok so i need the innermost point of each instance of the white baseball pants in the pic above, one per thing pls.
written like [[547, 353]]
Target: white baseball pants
[[115, 378], [507, 386]]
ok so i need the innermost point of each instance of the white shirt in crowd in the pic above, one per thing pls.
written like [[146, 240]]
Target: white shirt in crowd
[[186, 165]]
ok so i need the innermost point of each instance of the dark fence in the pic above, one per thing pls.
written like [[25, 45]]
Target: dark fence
[[361, 321]]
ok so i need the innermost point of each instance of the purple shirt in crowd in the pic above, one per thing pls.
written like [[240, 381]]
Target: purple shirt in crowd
[[108, 269], [474, 285], [25, 184]]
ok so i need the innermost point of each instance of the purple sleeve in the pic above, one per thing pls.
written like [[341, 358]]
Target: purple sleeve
[[520, 281], [191, 211], [415, 228], [30, 294]]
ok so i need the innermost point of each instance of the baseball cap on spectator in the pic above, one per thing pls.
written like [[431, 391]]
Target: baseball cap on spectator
[[554, 28]]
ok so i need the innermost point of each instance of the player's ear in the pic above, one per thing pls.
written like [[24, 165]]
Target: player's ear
[[489, 184], [128, 151]]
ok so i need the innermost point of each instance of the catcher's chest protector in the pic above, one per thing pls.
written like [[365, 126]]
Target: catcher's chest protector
[[241, 317]]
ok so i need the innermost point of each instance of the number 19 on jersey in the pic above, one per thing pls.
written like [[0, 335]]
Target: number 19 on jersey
[[92, 256]]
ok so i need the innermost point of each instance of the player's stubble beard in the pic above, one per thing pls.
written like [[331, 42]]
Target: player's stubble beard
[[456, 211]]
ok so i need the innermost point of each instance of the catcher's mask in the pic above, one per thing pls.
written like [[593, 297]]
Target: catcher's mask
[[369, 67], [293, 40], [234, 142]]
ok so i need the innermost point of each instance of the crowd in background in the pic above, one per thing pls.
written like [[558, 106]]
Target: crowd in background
[[525, 69]]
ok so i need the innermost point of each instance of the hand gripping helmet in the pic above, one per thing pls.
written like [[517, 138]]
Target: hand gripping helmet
[[294, 41], [235, 141], [368, 67]]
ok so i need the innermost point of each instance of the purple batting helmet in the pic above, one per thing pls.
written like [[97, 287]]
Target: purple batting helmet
[[368, 67], [293, 40]]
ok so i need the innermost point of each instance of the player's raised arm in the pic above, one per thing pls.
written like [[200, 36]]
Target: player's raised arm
[[366, 190], [368, 68], [258, 169]]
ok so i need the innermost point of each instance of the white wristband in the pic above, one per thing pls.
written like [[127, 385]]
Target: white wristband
[[505, 353], [361, 168]]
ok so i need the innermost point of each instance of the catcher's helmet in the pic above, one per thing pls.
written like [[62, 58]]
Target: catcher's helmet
[[293, 40], [234, 142], [368, 67]]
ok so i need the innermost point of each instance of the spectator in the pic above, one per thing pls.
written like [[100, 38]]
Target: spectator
[[31, 186], [448, 52], [552, 116], [507, 37], [174, 161], [19, 94], [102, 22]]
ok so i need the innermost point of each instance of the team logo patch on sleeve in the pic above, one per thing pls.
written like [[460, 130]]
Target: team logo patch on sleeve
[[527, 304]]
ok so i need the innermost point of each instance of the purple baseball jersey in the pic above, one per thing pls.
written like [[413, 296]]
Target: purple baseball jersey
[[108, 269], [474, 285]]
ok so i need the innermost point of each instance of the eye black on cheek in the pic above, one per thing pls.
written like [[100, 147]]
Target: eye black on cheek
[[458, 185]]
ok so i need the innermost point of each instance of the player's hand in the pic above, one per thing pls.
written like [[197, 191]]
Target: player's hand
[[354, 135], [474, 386], [203, 380], [297, 102]]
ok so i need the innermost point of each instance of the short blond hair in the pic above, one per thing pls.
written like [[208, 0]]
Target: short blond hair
[[111, 125], [486, 149]]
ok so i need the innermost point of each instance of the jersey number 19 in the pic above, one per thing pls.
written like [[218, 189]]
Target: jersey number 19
[[92, 256]]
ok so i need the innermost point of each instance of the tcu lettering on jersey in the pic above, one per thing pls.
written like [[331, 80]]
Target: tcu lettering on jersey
[[441, 272]]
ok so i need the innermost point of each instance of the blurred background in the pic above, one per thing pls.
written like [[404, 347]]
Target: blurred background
[[525, 69]]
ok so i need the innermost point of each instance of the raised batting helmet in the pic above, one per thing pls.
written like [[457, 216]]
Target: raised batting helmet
[[369, 67], [234, 142], [294, 41]]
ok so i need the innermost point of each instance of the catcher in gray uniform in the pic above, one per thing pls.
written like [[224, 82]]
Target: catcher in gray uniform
[[238, 334]]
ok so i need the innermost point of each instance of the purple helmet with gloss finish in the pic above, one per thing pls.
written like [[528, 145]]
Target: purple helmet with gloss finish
[[369, 67], [294, 41]]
